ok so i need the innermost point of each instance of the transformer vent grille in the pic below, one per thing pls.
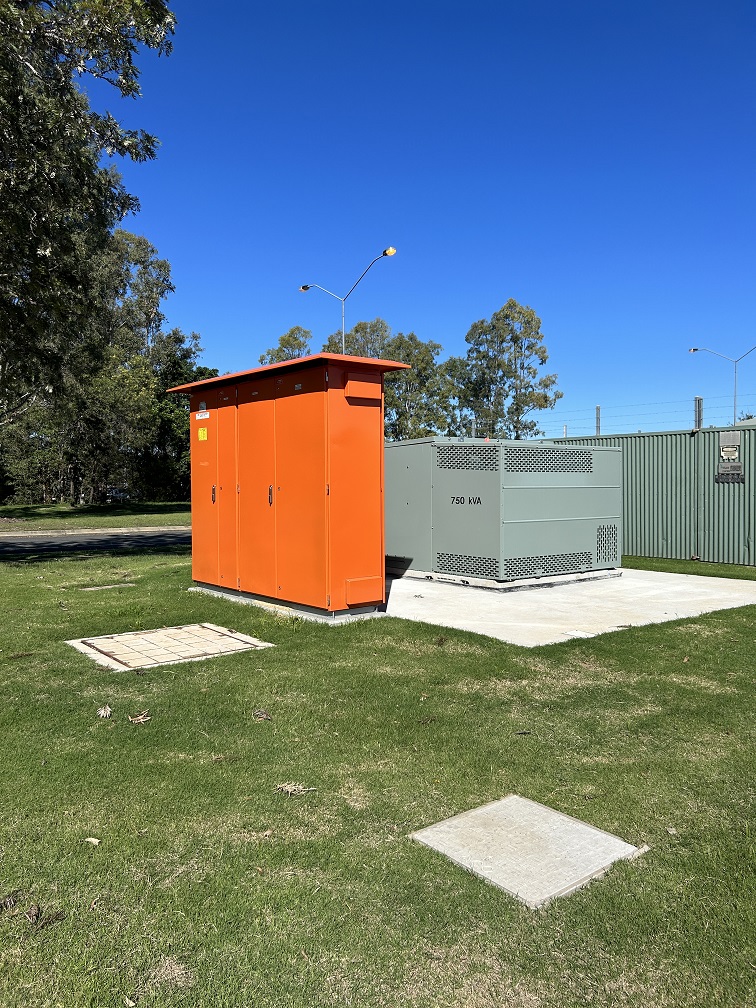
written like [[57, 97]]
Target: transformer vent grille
[[548, 460], [607, 544], [472, 566], [537, 566], [484, 458]]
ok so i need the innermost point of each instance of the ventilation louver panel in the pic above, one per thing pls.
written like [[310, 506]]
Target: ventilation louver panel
[[470, 566], [551, 460], [484, 458], [537, 566], [607, 544]]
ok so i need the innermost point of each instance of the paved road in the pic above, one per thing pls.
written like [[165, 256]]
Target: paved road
[[46, 544]]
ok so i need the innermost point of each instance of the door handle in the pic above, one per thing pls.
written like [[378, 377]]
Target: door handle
[[270, 495], [213, 493]]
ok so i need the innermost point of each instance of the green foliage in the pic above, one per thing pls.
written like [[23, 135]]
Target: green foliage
[[499, 381], [365, 339], [117, 431], [59, 202], [494, 388], [294, 343], [417, 401]]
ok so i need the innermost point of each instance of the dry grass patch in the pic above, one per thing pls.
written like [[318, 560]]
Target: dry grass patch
[[464, 974], [700, 630], [355, 796], [700, 683], [421, 648], [491, 688], [170, 972]]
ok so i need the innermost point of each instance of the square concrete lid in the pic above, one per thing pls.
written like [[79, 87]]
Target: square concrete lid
[[531, 851]]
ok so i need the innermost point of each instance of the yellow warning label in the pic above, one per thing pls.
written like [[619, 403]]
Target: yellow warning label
[[202, 431]]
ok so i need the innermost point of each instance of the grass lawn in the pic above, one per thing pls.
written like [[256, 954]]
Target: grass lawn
[[41, 517], [696, 567], [211, 888]]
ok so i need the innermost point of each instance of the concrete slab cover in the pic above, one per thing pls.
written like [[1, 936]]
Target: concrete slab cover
[[561, 612], [147, 648], [530, 851]]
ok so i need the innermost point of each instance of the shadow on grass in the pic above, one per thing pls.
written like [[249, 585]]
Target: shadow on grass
[[119, 544]]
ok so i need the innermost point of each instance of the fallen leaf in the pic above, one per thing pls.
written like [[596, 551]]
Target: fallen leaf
[[141, 717], [93, 840], [9, 901], [685, 658], [261, 715], [105, 711], [33, 914], [128, 1002], [293, 788], [671, 830]]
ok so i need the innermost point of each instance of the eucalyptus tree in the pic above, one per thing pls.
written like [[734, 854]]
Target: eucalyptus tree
[[118, 429], [499, 383], [59, 199], [292, 344], [417, 400]]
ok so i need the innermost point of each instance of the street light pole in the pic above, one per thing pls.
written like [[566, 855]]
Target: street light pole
[[734, 361], [305, 287]]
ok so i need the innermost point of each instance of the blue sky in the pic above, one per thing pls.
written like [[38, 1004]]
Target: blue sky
[[592, 160]]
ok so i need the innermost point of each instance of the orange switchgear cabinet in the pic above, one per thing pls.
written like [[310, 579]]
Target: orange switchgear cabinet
[[287, 481]]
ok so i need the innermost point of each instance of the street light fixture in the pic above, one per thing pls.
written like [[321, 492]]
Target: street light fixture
[[734, 361], [305, 287]]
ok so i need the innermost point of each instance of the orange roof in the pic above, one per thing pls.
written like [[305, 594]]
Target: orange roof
[[364, 363]]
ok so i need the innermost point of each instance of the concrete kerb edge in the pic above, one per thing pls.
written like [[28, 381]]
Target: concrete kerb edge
[[50, 533], [288, 610]]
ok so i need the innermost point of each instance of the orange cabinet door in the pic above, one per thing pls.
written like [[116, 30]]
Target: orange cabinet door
[[257, 488], [301, 500], [204, 449], [355, 437], [228, 575]]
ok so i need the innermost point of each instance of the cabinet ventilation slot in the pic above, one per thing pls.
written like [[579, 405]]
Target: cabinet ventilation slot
[[455, 563], [606, 544], [481, 457], [537, 566], [544, 460]]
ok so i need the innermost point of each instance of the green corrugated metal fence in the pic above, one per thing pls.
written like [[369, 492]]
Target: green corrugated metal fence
[[676, 502]]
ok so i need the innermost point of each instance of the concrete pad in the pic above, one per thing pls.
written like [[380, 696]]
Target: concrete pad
[[530, 851], [290, 609], [168, 646], [560, 612]]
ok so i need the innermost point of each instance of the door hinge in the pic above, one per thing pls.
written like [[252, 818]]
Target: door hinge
[[237, 488], [328, 599], [328, 489], [326, 374]]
